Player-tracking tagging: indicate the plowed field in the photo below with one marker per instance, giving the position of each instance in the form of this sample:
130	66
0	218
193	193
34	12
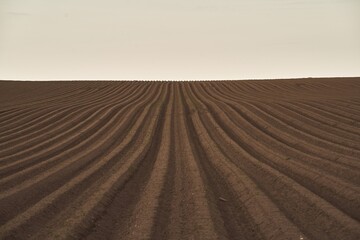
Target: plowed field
275	159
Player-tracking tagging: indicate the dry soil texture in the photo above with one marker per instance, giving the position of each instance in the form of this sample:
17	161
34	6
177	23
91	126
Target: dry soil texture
180	160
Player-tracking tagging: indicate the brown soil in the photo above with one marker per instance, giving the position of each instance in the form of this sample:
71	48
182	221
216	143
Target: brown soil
275	159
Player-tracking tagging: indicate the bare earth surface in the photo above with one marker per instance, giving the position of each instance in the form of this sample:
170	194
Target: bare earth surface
275	159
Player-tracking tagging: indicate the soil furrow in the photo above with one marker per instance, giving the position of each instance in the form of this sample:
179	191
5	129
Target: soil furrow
249	160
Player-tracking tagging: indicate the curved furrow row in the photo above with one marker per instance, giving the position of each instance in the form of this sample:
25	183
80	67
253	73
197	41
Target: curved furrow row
351	104
310	122
54	125
283	133
59	97
346	109
308	151
113	106
144	215
29	120
55	100
95	94
115	219
46	129
101	157
49	137
104	96
289	90
334	110
263	218
38	108
349	130
322	135
25	132
345	106
256	94
51	127
35	165
337	119
196	220
266	169
242	93
279	90
245	96
36	159
340	193
27	98
8	114
125	158
294	127
5	113
37	111
300	129
285	144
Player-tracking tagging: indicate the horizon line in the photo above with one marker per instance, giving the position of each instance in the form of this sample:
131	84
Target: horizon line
178	80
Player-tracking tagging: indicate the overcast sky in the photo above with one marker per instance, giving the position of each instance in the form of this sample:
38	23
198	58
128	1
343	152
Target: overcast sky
178	39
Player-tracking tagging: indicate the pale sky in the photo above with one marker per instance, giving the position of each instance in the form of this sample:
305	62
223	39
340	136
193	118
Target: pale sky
178	39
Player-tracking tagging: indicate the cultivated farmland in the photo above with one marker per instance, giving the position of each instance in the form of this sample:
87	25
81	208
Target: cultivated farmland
277	159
